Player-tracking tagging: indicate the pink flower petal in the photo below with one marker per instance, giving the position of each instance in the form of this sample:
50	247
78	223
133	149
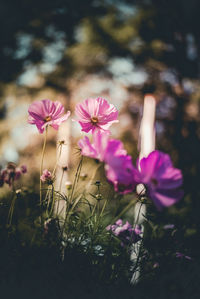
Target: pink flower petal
86	148
104	113
161	179
46	112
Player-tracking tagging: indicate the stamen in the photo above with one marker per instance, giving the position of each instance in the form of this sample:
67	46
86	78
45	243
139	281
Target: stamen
47	118
94	120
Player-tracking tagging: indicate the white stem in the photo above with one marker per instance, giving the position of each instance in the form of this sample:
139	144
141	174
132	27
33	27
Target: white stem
147	127
146	146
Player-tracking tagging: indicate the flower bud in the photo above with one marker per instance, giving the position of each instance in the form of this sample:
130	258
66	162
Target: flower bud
68	185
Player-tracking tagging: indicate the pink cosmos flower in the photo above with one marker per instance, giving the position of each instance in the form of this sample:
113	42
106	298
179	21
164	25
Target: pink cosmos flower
96	114
45	112
161	179
46	176
121	172
102	147
118	165
97	149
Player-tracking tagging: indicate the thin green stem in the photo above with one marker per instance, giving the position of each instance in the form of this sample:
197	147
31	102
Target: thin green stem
103	208
131	203
11	210
138	246
49	189
76	179
41	164
94	208
60	186
52	200
48	197
75	182
60	145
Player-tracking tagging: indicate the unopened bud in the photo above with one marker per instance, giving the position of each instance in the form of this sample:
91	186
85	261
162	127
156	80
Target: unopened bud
98	196
68	185
60	142
64	168
140	189
18	191
83	176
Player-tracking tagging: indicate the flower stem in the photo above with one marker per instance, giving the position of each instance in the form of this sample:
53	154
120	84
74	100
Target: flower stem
11	210
58	157
131	203
53	173
103	208
52	200
41	164
76	179
70	200
61	180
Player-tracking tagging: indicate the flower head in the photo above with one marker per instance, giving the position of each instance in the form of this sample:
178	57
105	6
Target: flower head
102	147
121	172
161	179
118	165
97	149
96	114
68	185
46	177
125	232
11	173
45	112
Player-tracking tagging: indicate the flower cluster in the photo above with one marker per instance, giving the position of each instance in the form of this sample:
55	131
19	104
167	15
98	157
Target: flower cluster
125	232
155	172
118	165
46	177
11	173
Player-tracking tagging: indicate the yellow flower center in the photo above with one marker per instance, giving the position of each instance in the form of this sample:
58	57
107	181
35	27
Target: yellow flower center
94	120
47	118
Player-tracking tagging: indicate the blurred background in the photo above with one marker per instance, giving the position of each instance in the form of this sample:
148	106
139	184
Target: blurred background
69	50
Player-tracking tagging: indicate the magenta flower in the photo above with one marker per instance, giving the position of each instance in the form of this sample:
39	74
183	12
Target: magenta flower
118	165
161	179
46	177
121	172
97	149
45	112
96	114
102	148
125	232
